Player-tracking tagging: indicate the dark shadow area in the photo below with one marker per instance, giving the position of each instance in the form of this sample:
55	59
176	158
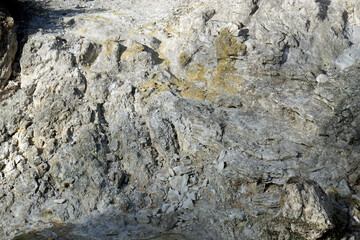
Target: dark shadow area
324	6
285	55
33	16
244	33
154	55
105	227
14	7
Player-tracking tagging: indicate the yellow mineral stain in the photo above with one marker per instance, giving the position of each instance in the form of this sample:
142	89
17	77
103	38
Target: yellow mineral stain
152	88
100	19
202	82
222	81
109	46
225	80
227	45
84	31
154	85
134	50
118	13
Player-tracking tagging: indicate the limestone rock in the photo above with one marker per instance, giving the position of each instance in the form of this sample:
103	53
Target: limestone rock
204	109
311	212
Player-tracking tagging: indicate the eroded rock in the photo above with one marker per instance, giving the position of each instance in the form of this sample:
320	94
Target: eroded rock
310	211
204	110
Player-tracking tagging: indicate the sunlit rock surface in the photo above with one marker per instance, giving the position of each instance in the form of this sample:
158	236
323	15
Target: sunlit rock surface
215	119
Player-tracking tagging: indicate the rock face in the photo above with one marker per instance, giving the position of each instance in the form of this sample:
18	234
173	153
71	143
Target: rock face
8	45
192	116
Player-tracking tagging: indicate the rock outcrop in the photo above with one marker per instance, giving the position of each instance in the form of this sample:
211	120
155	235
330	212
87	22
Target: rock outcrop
192	116
8	45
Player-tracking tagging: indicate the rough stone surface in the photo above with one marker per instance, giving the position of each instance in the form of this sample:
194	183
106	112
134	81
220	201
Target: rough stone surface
207	110
311	212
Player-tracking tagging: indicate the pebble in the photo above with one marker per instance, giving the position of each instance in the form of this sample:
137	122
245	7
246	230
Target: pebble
187	162
221	166
322	78
155	211
180	170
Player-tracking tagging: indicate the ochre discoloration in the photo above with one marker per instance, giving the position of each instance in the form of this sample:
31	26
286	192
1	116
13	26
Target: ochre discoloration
133	51
109	47
227	45
201	83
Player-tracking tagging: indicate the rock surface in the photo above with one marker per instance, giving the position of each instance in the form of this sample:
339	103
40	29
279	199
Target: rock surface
132	118
8	45
310	211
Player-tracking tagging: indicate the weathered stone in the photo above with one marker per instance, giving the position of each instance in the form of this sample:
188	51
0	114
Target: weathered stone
174	196
311	212
121	107
180	183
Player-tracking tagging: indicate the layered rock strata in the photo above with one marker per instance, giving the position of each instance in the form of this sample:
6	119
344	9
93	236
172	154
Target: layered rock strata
223	119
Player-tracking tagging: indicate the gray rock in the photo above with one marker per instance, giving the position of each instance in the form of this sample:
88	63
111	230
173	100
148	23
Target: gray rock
180	183
165	207
171	209
131	105
311	212
142	219
188	204
191	195
174	196
59	201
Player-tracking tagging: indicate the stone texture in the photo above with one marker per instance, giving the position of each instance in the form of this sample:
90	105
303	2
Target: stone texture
311	212
207	110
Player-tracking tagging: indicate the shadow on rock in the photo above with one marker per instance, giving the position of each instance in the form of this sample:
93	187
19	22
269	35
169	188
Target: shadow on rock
33	16
106	227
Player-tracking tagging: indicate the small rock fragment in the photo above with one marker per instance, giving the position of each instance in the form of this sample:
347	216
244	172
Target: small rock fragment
174	196
165	207
188	204
59	201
